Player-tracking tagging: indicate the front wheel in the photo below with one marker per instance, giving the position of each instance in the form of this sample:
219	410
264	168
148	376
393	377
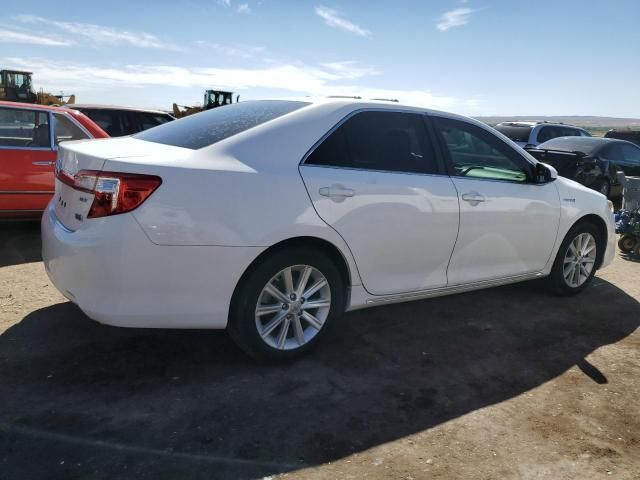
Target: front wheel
286	304
626	243
575	263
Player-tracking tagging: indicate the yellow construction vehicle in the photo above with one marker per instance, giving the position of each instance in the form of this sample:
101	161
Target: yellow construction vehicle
17	86
212	99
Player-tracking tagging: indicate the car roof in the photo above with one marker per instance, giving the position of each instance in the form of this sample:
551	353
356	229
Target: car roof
32	106
93	106
533	123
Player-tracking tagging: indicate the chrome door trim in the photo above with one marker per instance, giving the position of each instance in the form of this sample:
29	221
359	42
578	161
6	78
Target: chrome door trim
467	287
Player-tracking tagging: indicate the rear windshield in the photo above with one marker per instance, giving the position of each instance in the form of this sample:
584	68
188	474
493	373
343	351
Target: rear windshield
206	128
515	133
586	145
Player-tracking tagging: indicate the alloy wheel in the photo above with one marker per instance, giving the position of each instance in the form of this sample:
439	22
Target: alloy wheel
579	260
293	307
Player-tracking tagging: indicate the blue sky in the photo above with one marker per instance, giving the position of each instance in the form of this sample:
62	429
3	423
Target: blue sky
476	57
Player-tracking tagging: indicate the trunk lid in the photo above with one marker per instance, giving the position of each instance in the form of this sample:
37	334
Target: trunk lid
72	206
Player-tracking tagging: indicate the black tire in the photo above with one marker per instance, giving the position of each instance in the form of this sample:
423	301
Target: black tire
603	186
242	322
626	243
556	281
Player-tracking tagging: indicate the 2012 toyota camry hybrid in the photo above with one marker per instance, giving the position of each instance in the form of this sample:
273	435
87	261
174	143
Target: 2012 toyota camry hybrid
271	218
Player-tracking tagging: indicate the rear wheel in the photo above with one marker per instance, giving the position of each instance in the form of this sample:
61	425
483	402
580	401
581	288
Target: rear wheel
575	263
286	304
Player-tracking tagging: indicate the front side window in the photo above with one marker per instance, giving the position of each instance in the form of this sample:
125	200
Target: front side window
475	152
378	140
65	129
569	132
631	154
613	152
24	128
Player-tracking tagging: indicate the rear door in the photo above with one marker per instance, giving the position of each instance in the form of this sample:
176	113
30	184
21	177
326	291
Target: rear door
508	223
376	180
27	158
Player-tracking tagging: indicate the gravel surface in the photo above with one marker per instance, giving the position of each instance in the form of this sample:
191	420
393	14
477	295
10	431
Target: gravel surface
497	384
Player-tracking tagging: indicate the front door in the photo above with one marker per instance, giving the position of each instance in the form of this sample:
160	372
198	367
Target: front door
508	223
27	161
377	182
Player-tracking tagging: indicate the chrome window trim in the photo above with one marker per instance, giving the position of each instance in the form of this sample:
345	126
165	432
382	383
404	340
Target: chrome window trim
313	148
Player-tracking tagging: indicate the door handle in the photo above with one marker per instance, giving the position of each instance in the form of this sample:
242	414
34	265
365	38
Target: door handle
473	198
336	190
46	164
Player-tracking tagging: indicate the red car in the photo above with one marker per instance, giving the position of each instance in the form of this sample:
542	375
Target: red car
29	137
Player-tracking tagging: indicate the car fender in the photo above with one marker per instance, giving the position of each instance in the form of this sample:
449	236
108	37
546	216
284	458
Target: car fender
577	202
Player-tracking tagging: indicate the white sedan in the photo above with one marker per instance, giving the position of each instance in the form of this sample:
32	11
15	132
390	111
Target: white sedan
271	218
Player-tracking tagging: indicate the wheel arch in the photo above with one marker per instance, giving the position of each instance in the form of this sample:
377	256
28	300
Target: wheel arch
302	241
601	226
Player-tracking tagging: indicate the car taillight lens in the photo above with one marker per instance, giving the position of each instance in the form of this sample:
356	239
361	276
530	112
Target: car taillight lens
113	192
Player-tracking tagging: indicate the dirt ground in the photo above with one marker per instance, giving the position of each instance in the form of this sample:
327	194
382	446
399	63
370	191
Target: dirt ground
498	384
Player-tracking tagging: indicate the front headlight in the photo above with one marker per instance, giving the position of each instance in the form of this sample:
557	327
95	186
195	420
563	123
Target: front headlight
610	203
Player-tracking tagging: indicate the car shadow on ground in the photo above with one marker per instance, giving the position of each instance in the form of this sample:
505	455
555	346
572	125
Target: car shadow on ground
19	242
188	404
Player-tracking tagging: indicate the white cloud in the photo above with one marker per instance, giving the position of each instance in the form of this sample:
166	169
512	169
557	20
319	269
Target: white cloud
287	79
348	70
100	34
13	36
232	50
333	18
244	8
454	18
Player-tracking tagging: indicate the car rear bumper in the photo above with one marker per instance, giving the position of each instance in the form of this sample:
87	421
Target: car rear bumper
111	270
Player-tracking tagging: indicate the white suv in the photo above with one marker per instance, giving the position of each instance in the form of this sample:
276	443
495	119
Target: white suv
531	134
271	218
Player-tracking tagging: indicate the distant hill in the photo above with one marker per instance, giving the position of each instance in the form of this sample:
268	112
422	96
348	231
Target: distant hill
579	120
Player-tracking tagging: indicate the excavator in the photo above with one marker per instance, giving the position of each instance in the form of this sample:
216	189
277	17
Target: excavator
212	99
17	86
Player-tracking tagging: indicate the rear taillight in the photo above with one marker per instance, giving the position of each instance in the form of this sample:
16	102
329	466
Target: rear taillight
113	192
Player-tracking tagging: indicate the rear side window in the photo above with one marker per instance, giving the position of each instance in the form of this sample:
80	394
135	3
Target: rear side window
206	128
517	133
107	120
387	141
24	128
150	120
65	129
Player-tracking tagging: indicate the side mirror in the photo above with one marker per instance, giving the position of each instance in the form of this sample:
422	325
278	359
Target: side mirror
545	173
